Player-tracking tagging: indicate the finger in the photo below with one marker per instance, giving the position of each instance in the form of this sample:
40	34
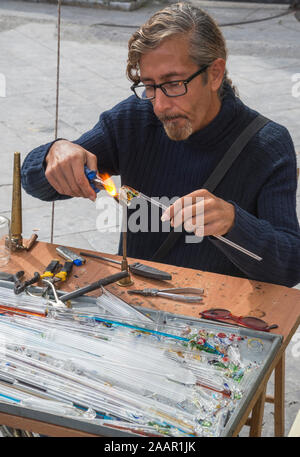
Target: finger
169	213
74	184
176	210
91	161
65	173
92	164
197	221
82	183
189	225
194	210
63	179
184	202
57	180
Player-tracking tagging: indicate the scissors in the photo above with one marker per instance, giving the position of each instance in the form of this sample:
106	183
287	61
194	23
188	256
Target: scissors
172	293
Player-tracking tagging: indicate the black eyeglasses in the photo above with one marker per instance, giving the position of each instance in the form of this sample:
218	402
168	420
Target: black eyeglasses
169	88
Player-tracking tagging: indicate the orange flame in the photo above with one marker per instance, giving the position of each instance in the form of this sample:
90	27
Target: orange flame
108	184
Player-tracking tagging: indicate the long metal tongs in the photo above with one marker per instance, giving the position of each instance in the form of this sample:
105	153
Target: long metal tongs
172	293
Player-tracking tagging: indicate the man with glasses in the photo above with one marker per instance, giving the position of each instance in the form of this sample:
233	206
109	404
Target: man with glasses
168	138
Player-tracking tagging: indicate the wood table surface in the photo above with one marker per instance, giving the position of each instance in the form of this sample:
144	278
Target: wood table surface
275	304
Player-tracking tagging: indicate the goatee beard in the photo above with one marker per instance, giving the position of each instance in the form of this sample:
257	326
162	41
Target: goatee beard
175	132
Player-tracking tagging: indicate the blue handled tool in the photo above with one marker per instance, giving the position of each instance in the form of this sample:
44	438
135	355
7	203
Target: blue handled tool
95	181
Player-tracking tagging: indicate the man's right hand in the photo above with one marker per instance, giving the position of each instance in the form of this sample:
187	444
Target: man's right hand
65	169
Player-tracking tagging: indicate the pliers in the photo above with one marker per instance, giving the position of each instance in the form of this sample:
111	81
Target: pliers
172	293
61	276
48	273
64	273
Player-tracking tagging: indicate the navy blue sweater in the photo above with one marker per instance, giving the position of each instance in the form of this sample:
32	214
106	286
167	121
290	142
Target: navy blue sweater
130	141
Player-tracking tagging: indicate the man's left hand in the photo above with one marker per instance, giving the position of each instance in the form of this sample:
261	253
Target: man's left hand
201	212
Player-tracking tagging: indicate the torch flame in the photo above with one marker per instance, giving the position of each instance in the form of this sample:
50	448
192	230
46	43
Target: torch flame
108	184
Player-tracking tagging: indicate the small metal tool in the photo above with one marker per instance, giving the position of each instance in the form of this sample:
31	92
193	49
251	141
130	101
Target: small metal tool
20	287
172	293
136	268
95	181
48	273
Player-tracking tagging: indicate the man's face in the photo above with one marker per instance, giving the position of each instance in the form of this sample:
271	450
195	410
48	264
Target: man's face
184	115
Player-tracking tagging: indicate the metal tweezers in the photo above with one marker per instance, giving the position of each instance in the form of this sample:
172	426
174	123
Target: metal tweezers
172	293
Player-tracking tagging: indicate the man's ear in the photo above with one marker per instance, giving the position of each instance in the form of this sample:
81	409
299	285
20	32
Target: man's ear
216	73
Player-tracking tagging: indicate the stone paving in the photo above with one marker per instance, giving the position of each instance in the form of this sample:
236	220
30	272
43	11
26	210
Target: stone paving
263	63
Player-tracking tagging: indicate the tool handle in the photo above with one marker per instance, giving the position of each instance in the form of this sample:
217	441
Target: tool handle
50	269
65	271
52	266
177	297
68	266
95	285
33	280
136	268
183	290
91	174
149	272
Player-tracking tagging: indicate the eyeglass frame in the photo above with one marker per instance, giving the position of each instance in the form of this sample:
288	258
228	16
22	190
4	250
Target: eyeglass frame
208	314
160	86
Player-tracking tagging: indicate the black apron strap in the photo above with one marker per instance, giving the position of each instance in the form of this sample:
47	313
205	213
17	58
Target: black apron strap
216	177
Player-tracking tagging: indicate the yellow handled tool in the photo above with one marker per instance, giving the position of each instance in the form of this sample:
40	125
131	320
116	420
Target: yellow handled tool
63	274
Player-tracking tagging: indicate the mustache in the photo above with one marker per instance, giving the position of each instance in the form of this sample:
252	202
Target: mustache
171	117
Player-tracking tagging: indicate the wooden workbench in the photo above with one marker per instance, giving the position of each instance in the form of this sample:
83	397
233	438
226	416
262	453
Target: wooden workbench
275	304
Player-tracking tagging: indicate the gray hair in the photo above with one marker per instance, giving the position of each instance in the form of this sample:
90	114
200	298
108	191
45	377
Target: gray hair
205	38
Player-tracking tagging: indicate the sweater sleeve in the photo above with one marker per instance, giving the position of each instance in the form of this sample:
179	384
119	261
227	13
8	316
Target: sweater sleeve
273	233
99	141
